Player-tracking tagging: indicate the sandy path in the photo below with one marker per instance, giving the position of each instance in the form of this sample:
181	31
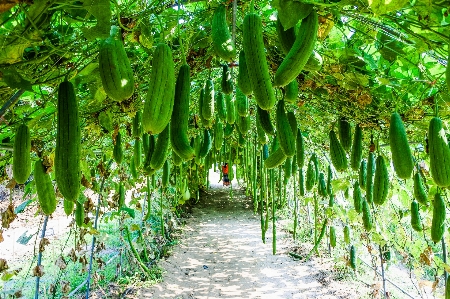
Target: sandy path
221	255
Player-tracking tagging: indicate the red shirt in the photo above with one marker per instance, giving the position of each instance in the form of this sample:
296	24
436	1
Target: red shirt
225	169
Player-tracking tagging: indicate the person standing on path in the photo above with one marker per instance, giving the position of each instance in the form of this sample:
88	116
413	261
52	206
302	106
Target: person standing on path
225	179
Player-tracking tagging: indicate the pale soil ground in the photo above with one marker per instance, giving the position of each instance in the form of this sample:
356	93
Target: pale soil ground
221	255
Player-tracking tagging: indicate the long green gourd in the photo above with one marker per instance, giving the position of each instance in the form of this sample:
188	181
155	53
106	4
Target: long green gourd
68	143
300	149
264	119
420	192
44	188
257	67
284	131
275	159
226	83
357	197
300	51
438	221
242	104
221	37
118	150
161	149
159	102
439	153
21	154
337	153
345	133
356	154
367	216
180	116
231	110
369	177
137	125
115	69
362	174
381	182
221	107
415	216
401	153
243	79
208	100
218	135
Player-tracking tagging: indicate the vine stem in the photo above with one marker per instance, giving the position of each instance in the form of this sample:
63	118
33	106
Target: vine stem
97	211
444	259
233	32
12	100
38	278
162	212
382	272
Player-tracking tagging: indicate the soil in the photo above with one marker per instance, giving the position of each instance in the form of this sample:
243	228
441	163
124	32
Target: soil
221	255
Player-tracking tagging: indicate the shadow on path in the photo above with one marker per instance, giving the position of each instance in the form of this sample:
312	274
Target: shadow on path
221	255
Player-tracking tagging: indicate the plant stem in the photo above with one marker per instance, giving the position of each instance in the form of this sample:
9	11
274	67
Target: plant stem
38	278
316	244
382	272
97	211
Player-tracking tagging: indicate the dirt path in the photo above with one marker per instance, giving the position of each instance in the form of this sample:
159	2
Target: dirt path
221	255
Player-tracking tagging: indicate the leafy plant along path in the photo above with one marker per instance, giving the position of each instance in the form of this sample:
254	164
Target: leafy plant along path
221	255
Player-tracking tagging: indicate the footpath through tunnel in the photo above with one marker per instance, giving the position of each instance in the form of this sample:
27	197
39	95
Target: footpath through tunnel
221	255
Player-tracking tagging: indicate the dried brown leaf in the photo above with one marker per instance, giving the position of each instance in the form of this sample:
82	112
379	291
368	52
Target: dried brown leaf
38	271
3	265
427	256
8	216
61	263
11	184
44	242
65	287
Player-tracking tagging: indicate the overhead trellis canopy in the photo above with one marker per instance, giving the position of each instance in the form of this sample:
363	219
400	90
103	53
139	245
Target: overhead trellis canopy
377	56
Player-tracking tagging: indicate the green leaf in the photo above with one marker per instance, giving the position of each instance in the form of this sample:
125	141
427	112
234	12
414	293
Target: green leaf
105	120
290	12
129	211
14	80
8	275
134	227
381	7
101	10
